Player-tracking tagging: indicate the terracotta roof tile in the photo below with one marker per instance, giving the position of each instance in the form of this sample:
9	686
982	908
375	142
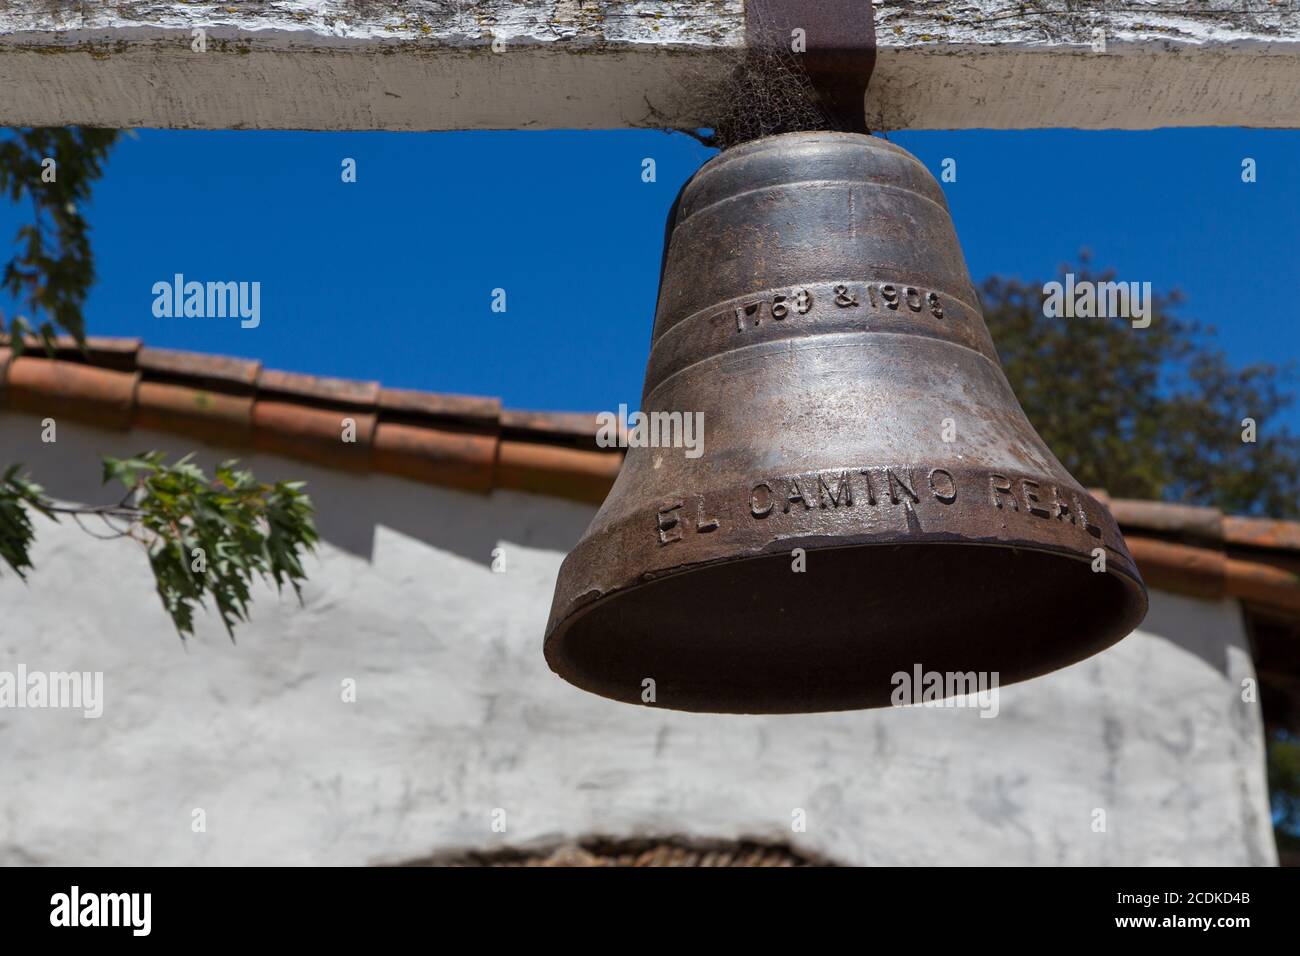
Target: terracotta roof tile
337	438
435	438
1204	553
1180	568
436	456
574	429
1262	533
215	368
551	470
51	388
1263	583
568	424
342	391
1183	520
215	417
1211	573
470	409
103	351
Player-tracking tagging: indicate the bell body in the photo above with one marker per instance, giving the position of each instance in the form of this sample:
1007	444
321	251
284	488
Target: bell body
868	497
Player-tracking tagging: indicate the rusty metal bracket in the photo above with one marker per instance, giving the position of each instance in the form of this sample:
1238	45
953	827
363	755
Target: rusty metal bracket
839	48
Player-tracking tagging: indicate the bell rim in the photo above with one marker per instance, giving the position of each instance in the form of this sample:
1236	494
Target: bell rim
1131	612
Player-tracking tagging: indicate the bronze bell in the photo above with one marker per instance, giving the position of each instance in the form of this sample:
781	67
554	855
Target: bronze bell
870	498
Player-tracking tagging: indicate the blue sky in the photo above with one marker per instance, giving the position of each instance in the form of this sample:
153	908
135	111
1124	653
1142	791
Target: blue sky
391	277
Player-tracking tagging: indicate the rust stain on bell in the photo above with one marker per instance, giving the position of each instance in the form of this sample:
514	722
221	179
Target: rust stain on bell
815	307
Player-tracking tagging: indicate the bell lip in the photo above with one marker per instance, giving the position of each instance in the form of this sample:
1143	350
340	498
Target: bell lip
1133	613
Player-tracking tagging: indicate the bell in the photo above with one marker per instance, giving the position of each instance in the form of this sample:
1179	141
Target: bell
867	501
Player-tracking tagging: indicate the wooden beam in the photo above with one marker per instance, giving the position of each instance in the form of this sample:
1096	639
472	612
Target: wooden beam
1010	64
456	64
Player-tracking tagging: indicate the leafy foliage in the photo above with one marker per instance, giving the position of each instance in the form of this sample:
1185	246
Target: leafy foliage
1147	413
205	538
1284	788
17	494
53	268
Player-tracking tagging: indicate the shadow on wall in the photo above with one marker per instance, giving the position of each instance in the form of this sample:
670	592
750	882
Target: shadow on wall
1183	624
349	507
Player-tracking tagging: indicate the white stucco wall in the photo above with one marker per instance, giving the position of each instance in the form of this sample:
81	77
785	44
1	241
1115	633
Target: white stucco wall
457	715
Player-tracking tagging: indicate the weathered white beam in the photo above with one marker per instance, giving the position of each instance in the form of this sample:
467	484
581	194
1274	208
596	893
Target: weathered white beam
431	64
359	64
1008	64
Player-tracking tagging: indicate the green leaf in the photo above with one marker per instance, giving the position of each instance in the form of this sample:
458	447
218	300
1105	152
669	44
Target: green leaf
52	268
18	494
244	529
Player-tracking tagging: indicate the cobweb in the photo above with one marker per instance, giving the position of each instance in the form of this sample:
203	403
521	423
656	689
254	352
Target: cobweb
763	91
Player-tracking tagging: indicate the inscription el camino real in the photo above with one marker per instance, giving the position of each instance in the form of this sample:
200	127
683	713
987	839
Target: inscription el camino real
888	486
